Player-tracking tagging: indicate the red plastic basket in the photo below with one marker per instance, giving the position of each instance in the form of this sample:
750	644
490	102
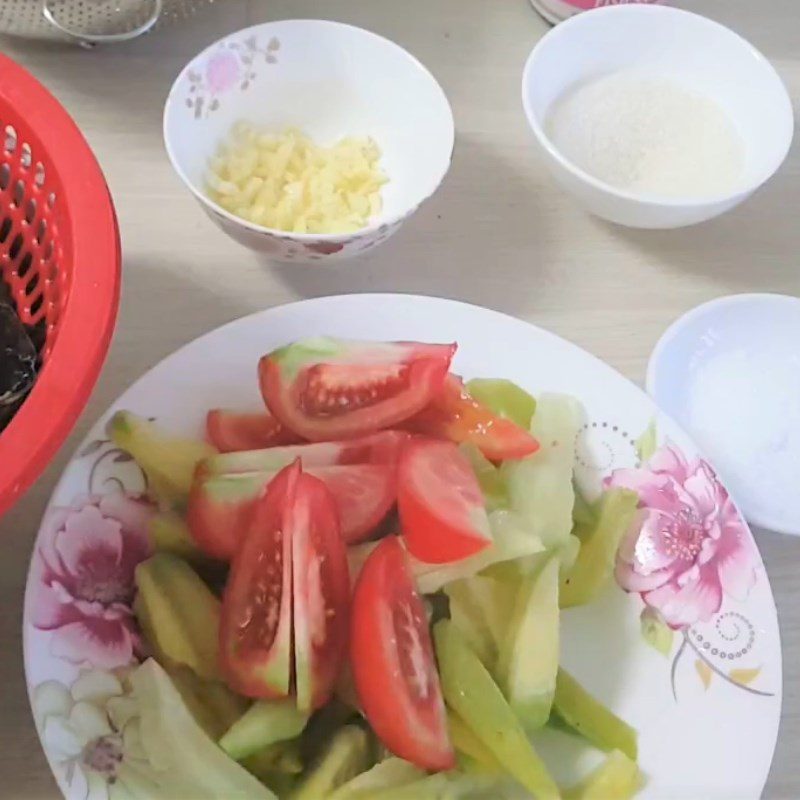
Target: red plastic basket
60	254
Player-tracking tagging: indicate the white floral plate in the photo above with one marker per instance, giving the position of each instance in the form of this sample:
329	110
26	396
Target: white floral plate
704	690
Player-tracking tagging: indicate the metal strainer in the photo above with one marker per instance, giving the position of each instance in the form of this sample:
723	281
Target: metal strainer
91	21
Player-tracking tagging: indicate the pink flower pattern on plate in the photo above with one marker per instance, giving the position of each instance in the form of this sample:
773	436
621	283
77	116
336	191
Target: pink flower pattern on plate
85	568
688	546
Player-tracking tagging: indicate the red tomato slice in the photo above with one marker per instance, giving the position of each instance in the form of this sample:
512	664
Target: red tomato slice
379	448
256	616
231	431
455	415
220	505
321	594
364	494
441	506
327	389
391	658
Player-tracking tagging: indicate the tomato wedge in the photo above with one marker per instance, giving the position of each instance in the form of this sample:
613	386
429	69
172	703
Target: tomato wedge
455	415
441	506
321	594
231	431
284	618
391	658
378	448
220	506
327	389
256	616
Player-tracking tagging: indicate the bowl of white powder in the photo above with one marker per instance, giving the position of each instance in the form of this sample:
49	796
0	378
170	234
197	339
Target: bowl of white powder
654	117
729	372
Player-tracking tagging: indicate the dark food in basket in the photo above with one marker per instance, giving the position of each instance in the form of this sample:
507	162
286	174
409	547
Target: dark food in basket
18	360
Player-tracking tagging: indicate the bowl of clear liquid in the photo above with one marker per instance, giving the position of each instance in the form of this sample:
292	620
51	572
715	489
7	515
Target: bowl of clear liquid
654	117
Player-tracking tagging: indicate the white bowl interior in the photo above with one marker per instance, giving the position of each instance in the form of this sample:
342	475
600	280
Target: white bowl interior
331	80
669	43
756	338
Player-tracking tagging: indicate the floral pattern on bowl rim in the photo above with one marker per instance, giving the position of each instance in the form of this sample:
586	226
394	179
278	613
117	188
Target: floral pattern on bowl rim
686	570
233	64
306	250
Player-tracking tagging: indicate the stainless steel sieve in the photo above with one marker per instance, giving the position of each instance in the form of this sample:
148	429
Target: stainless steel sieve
91	21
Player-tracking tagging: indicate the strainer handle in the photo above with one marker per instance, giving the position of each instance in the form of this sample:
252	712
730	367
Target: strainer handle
88	40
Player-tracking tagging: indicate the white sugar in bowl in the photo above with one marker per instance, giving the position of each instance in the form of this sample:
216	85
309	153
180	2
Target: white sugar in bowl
331	81
708	73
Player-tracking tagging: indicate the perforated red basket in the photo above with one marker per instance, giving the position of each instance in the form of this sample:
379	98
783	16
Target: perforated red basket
60	254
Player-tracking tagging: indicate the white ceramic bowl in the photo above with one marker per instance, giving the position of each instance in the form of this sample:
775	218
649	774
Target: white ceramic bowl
729	372
674	45
330	80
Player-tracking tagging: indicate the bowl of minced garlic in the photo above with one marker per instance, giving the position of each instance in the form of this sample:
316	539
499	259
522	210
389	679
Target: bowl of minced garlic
308	140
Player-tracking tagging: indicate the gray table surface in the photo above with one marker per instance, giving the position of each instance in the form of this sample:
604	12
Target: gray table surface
498	233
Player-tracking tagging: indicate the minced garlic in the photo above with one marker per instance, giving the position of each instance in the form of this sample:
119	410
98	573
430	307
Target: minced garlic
285	181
